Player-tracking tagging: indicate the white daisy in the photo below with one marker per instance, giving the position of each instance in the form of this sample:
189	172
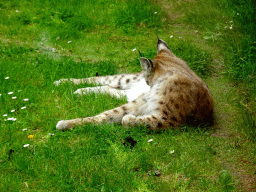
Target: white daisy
11	119
26	145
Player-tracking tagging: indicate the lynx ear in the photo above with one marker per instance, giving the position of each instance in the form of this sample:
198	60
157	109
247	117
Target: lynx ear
161	45
146	64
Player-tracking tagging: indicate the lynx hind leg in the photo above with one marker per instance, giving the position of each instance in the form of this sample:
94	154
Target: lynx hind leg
121	81
152	122
149	121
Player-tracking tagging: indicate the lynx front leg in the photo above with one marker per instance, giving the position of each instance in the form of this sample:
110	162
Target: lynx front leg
102	89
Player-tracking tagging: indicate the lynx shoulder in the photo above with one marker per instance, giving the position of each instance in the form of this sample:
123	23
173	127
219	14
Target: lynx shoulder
166	94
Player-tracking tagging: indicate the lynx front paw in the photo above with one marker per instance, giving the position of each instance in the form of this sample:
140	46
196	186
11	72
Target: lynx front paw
57	83
64	125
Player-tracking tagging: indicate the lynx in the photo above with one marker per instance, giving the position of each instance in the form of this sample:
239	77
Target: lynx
166	94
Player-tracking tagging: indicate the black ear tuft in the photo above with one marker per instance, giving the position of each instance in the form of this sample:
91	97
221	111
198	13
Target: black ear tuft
161	45
140	53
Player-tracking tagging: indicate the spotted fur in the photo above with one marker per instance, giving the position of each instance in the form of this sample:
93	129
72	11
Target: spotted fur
166	94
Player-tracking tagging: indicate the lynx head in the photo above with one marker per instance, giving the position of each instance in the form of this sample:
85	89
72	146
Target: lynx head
153	68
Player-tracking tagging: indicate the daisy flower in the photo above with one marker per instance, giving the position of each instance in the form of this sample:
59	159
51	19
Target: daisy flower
11	119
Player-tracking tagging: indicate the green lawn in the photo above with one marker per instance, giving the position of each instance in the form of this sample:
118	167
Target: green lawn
44	41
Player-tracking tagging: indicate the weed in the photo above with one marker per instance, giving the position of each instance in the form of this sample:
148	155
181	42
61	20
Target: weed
225	180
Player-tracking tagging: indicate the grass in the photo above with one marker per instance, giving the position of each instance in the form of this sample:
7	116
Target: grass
44	41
